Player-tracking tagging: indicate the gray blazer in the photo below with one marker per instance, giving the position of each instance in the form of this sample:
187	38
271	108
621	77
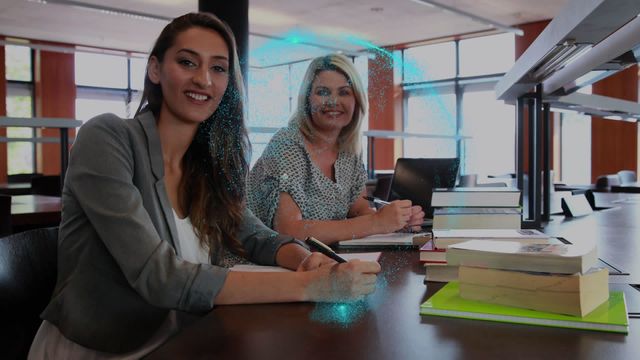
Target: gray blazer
118	270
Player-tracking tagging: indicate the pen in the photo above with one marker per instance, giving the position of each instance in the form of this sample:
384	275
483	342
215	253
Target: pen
324	249
376	200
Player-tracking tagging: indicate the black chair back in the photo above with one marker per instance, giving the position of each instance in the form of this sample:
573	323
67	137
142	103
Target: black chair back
5	215
46	185
28	268
21	178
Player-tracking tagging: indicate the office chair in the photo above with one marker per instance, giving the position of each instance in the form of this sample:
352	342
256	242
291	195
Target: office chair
46	185
28	267
605	182
21	178
627	176
5	215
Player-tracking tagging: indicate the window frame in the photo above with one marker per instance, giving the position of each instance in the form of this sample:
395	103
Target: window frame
24	88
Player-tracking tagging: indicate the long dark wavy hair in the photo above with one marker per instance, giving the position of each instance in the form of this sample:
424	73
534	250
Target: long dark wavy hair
215	166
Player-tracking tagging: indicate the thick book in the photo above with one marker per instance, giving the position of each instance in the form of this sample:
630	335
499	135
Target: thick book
511	255
435	272
610	316
388	240
443	238
574	294
477	218
429	253
476	197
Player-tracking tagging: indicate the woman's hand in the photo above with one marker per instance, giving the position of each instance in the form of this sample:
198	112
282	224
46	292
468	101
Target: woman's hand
394	216
343	282
314	261
416	219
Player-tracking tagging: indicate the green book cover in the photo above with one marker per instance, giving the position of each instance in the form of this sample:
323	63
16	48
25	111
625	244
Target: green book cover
610	316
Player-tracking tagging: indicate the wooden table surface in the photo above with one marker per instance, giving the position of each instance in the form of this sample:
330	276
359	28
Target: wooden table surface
35	210
388	325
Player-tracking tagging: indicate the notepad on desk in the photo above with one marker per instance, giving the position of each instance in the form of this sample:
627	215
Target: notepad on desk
369	256
411	240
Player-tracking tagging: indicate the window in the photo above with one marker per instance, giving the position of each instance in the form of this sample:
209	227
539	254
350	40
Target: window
487	55
19	75
430	62
432	113
108	84
491	124
100	70
442	100
18	63
20	159
575	148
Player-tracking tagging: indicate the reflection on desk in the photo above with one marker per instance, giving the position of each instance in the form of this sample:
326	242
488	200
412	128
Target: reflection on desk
388	325
35	210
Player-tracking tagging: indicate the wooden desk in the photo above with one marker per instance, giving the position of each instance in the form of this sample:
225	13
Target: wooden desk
35	210
388	324
15	189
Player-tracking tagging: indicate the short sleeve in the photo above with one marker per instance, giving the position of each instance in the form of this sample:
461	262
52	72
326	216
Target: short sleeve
279	169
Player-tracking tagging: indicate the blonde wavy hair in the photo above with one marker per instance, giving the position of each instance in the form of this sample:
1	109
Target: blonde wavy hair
349	138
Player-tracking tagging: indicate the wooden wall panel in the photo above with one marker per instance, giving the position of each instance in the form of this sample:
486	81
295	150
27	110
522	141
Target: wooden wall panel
384	107
3	112
55	92
614	144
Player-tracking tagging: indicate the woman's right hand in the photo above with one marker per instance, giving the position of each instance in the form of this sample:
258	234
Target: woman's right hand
348	281
393	217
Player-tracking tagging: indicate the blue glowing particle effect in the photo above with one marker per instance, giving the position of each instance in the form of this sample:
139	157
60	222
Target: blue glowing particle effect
345	314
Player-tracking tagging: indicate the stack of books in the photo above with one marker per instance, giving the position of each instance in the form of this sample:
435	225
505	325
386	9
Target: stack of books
476	208
536	284
556	278
433	253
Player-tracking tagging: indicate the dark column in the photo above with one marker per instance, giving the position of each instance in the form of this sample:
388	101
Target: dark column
236	14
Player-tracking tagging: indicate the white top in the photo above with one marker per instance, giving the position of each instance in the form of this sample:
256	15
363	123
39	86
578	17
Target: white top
49	342
188	243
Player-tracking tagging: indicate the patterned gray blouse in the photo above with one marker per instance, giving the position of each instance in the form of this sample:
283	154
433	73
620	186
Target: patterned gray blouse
285	166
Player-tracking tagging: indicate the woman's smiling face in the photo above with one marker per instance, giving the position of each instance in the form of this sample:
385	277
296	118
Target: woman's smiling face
332	101
194	74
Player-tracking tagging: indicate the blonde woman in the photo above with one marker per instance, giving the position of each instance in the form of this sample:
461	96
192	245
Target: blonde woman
310	180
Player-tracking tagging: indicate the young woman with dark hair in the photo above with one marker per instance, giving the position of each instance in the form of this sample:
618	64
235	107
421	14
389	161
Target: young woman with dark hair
154	212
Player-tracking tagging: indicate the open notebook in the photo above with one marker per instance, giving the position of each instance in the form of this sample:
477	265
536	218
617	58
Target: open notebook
370	256
398	239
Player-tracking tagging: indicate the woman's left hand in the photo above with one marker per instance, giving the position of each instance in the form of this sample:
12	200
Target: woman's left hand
314	261
416	219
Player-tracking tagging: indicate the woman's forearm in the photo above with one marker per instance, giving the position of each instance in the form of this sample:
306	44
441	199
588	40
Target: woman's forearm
291	255
330	231
263	287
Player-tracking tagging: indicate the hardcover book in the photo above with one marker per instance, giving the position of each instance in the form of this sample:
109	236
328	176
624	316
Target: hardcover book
443	238
429	253
477	218
476	197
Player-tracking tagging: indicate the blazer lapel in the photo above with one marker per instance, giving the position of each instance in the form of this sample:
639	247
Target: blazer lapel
148	122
